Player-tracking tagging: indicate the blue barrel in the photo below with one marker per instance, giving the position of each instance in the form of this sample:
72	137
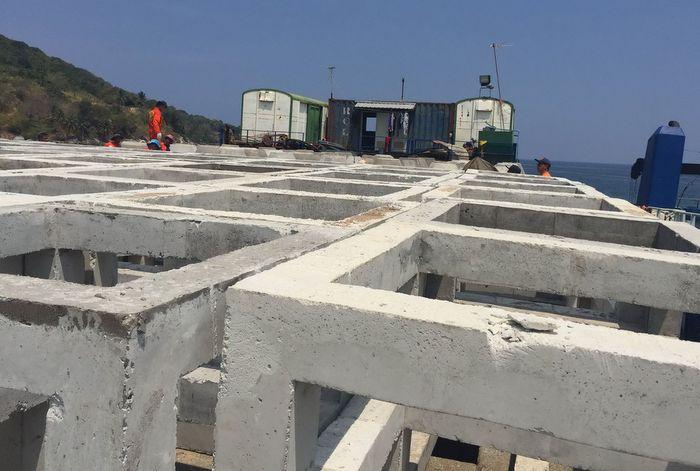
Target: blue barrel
662	167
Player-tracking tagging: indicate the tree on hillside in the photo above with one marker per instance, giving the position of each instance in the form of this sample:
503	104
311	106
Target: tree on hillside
42	96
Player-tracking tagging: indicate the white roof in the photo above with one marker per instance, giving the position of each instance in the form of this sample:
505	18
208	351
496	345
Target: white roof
385	105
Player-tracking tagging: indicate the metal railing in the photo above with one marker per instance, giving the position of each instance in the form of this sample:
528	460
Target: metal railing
254	136
678	215
416	146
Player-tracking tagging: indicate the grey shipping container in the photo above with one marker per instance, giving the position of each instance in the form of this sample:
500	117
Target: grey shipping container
432	121
347	125
341	126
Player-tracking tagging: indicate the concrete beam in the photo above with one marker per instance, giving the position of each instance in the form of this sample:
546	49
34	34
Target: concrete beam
597	396
542	198
566	267
362	437
527	442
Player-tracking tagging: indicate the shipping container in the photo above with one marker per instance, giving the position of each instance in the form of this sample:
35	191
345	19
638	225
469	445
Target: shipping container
343	123
275	112
472	115
433	121
396	127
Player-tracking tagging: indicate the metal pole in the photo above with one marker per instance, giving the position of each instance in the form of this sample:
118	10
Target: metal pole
331	68
402	87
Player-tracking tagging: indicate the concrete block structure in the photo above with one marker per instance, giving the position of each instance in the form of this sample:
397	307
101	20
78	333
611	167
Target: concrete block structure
286	310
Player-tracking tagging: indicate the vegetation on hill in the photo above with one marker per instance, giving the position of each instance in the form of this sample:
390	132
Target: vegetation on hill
46	98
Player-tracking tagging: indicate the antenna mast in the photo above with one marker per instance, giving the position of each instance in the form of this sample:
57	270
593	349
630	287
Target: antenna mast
331	68
495	46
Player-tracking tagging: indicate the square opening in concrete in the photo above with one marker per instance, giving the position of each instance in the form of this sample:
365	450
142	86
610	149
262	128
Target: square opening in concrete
237	168
540	198
329	186
502	269
100	248
576	225
379	177
367	431
578	309
196	410
120	158
514	185
404	171
258	202
293	164
510	177
22	429
19	164
132	267
157	174
46	185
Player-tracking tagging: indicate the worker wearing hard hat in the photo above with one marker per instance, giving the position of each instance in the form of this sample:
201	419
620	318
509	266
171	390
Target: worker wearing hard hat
543	166
155	121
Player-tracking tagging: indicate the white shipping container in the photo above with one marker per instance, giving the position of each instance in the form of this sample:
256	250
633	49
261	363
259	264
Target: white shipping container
269	111
474	114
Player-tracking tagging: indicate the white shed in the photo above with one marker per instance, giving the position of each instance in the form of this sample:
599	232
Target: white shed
474	114
274	112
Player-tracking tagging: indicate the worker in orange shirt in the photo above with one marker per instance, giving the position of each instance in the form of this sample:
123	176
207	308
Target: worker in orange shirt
115	141
155	121
543	166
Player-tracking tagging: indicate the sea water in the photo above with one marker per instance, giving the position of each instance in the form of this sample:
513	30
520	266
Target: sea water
614	180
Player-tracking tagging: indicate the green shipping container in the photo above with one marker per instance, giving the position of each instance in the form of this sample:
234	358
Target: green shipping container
500	145
313	123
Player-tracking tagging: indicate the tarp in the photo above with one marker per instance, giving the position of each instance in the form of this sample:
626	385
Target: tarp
477	163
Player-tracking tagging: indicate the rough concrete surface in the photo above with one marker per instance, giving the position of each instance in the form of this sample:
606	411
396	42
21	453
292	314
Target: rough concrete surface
128	276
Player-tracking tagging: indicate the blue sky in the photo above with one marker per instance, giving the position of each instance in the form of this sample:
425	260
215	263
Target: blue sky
590	80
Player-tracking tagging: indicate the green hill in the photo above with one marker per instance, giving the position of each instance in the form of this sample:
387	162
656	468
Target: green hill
46	98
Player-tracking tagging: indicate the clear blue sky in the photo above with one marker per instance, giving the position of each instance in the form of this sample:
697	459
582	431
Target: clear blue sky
590	80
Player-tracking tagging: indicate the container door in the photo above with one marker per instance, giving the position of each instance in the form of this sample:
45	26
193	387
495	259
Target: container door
313	123
369	131
381	132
